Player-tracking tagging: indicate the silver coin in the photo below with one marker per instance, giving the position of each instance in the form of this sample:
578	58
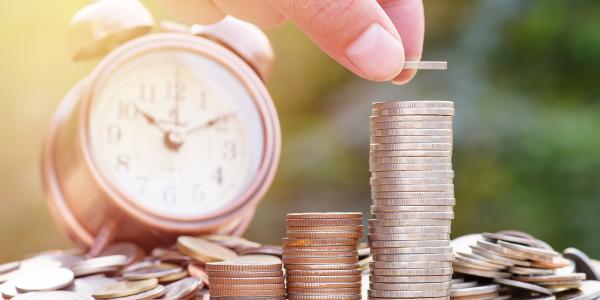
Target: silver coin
410	208
410	160
499	264
409	264
414	215
409	286
401	244
408	294
409	222
415	174
463	284
498	258
459	264
410	153
181	288
523	286
410	118
480	273
413	257
515	239
444	145
448	188
583	263
483	263
411	132
414	202
530	271
44	279
412	111
502	250
409	167
402	195
412	229
410	139
411	279
531	252
53	295
478	290
395	181
413	104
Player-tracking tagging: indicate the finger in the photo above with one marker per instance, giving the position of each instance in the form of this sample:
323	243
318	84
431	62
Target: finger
194	11
409	19
356	33
259	12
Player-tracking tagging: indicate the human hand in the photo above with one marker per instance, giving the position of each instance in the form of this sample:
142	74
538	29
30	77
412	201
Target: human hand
370	38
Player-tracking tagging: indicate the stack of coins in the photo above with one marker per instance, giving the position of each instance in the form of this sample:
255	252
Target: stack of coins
320	255
247	277
413	197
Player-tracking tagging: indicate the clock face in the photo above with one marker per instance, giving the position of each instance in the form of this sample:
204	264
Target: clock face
176	132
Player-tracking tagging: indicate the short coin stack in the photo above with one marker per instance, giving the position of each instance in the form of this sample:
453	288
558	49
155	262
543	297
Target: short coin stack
320	255
413	197
247	277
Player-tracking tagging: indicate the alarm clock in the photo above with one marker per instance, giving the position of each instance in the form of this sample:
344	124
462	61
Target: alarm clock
173	132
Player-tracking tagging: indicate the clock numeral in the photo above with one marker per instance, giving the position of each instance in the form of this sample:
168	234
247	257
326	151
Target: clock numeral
218	176
127	110
142	181
147	92
229	150
197	193
122	163
174	89
169	195
113	134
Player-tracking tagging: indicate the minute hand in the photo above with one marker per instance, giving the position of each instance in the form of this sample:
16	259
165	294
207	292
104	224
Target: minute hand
209	123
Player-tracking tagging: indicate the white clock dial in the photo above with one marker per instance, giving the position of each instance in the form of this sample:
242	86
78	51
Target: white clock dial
177	133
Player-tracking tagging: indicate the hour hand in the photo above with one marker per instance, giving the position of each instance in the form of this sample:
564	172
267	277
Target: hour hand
150	119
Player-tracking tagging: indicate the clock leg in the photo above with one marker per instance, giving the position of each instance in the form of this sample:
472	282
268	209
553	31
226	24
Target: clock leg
104	237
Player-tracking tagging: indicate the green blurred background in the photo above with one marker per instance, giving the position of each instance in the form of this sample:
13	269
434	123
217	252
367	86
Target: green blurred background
524	75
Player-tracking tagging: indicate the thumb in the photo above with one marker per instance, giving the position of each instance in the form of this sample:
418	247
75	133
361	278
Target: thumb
356	33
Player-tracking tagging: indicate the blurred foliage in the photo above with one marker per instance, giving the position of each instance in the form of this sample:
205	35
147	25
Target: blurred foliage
526	127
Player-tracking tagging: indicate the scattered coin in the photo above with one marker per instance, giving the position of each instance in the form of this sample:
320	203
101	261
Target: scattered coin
44	280
523	286
203	250
125	288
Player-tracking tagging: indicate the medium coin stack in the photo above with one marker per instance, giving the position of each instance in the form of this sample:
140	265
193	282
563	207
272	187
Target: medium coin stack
412	191
247	277
320	255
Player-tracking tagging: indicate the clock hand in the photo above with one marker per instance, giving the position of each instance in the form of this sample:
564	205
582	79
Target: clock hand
151	119
209	123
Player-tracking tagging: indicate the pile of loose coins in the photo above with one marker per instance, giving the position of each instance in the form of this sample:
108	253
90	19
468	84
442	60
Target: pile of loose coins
515	264
412	194
320	255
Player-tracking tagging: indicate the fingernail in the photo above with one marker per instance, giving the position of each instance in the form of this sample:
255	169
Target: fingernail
377	54
404	77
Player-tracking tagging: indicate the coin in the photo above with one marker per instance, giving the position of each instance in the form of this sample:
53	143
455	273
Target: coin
410	118
416	250
324	291
462	285
409	264
245	274
530	271
324	222
154	293
297	254
414	202
323	297
197	271
407	236
498	258
245	266
347	278
460	257
414	215
410	286
125	288
153	271
270	286
53	295
441	111
322	272
408	167
443	145
409	160
410	139
551	278
319	260
358	228
323	285
203	250
413	188
374	126
411	208
408	294
247	293
478	290
333	266
480	273
411	279
414	104
413	174
7	267
412	272
319	242
410	153
325	215
289	249
515	239
583	263
401	244
43	279
324	234
264	249
531	252
410	132
232	242
409	230
502	250
129	250
523	286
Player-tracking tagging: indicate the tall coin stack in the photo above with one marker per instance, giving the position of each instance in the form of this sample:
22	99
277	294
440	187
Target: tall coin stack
412	191
320	255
